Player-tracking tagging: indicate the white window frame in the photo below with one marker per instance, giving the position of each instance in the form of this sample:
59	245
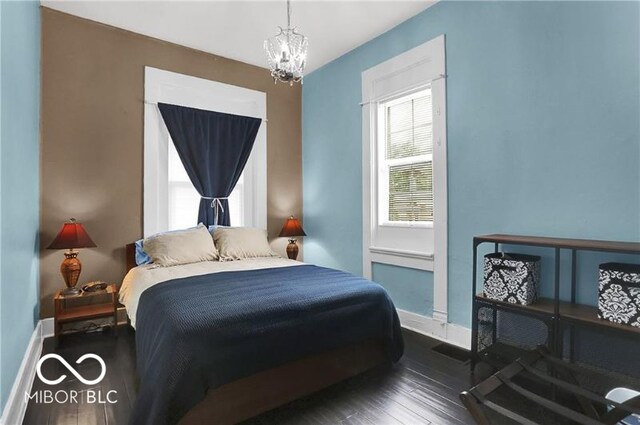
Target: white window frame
184	90
420	247
384	164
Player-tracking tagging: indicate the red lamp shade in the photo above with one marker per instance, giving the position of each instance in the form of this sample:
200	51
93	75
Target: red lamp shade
72	235
292	227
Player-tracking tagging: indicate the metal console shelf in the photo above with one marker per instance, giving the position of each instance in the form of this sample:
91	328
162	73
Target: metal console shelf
551	310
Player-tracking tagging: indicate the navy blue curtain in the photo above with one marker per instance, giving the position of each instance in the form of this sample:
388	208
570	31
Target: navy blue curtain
214	148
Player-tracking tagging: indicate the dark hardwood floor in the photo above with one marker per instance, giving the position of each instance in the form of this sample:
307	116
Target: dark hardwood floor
422	388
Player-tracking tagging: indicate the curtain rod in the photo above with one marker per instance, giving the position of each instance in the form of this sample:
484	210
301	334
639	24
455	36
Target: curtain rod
156	104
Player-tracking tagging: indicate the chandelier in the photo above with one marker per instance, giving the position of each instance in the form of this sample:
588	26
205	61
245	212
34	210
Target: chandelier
287	53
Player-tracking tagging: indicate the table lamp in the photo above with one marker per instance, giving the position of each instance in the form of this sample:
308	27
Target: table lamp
292	227
70	237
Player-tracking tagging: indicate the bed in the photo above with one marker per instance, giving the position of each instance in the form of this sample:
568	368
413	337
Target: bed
220	342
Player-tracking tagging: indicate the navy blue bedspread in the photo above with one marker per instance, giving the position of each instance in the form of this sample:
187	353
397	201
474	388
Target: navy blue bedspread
201	332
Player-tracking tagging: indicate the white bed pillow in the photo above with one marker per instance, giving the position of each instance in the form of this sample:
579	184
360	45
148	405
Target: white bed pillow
237	243
181	247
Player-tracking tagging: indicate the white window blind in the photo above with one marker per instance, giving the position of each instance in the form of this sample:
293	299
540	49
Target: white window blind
406	160
183	199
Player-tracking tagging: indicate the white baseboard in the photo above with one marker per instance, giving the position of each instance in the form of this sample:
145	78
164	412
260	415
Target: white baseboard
47	327
16	406
429	326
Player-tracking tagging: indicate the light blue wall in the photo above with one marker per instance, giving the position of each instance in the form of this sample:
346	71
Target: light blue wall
543	107
19	183
410	289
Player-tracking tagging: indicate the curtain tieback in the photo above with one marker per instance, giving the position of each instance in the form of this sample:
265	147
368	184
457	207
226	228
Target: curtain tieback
216	204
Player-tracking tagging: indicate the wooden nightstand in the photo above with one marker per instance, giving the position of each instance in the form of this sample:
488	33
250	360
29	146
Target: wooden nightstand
86	306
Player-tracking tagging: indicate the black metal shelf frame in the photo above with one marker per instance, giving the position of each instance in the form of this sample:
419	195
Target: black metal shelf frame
573	245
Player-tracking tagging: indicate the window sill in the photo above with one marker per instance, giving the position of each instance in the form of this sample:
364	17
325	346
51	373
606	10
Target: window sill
407	224
402	258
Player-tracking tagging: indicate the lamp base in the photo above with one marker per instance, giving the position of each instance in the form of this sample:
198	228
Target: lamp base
71	291
292	249
70	269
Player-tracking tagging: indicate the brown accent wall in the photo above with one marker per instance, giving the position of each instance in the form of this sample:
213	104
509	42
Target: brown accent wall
92	137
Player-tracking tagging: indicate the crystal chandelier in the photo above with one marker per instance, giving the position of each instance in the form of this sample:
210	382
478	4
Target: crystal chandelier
287	53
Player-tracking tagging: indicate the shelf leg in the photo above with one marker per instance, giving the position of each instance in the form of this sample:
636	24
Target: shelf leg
556	305
474	319
573	301
557	337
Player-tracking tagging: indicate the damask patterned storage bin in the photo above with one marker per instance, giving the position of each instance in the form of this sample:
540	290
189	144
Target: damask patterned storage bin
511	278
619	293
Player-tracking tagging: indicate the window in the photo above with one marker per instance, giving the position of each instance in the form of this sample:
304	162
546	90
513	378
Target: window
169	199
183	199
404	165
405	149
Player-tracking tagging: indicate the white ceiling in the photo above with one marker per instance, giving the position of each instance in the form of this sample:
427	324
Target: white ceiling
237	29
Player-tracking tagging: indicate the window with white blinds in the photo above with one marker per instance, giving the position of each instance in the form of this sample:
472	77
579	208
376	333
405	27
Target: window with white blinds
406	159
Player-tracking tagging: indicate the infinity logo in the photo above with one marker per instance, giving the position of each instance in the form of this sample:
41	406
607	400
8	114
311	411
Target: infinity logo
71	369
